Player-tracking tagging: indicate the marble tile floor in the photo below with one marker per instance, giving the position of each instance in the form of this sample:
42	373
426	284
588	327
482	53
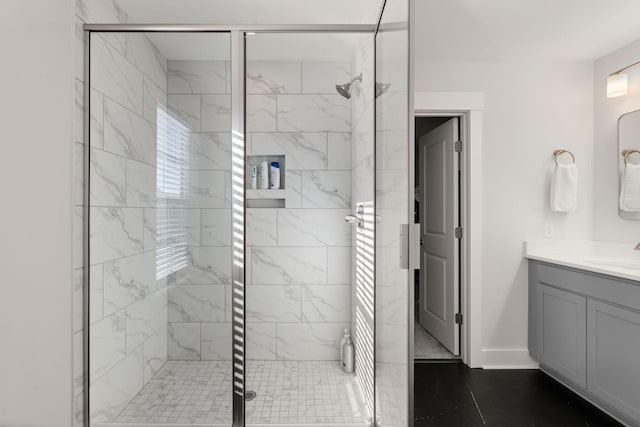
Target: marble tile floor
427	347
185	393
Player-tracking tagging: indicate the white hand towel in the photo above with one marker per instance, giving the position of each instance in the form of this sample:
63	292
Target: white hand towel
630	188
564	188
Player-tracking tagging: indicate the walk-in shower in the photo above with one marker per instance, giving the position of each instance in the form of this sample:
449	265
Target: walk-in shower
212	301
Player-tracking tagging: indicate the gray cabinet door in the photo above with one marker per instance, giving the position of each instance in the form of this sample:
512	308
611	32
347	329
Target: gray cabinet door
561	328
613	354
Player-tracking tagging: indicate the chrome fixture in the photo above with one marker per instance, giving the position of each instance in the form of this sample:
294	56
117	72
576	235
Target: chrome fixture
356	219
381	88
637	247
345	89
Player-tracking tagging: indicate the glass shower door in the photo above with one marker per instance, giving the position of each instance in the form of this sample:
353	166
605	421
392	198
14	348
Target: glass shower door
392	201
160	229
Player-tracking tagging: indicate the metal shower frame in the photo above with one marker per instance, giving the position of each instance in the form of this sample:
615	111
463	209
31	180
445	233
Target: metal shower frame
238	35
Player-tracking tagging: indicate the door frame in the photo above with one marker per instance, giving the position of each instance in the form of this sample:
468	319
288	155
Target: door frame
468	107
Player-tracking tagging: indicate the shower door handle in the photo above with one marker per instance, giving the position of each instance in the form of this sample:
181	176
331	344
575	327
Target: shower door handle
354	219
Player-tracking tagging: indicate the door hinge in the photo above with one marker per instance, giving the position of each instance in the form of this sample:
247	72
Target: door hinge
458	232
458	318
458	146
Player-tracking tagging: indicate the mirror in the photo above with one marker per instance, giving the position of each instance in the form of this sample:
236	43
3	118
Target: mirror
629	165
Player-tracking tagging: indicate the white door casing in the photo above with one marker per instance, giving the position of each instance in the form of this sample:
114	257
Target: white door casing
438	165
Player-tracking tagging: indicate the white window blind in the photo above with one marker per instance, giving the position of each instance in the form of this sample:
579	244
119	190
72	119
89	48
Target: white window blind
172	190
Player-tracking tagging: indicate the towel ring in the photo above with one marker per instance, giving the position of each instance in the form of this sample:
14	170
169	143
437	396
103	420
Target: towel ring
559	152
628	152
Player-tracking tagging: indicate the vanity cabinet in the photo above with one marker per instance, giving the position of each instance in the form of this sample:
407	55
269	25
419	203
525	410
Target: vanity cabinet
584	330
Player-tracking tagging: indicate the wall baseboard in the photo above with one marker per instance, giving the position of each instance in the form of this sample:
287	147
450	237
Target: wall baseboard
508	359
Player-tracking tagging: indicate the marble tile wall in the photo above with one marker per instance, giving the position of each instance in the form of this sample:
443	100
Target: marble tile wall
298	257
128	304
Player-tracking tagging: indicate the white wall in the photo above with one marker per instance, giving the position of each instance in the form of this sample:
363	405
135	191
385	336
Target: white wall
36	107
607	223
530	110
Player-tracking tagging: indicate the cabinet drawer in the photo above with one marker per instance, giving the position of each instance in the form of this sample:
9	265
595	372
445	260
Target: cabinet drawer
613	356
561	332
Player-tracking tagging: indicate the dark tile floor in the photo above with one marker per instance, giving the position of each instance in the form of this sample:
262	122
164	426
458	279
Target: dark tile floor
451	394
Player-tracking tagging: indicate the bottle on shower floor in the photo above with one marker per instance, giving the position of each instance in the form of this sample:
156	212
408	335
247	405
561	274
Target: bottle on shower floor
347	355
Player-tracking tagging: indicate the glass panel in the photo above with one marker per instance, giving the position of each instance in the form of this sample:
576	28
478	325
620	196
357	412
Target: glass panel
392	191
300	275
160	229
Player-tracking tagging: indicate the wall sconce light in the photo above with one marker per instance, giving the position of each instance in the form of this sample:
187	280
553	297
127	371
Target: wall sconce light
617	83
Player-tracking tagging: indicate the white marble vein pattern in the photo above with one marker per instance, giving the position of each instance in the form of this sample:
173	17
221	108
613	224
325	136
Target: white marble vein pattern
323	76
115	233
186	108
111	393
293	190
196	77
261	227
309	341
117	40
273	77
261	341
207	189
149	229
363	181
100	11
114	76
313	227
145	318
183	341
196	303
154	96
326	303
155	353
141	185
147	57
191	224
78	69
128	134
96	293
326	189
78	174
78	112
273	303
216	227
108	344
96	119
313	113
339	262
289	265
303	150
216	113
216	341
207	266
210	151
128	280
387	192
108	179
391	305
339	151
261	113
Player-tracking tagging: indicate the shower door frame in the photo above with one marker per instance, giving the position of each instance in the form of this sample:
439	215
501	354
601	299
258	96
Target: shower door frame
238	58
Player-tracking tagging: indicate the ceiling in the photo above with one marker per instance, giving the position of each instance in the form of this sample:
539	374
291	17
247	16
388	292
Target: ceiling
556	30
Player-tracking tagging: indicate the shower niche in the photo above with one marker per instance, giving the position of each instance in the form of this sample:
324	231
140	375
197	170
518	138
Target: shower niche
270	197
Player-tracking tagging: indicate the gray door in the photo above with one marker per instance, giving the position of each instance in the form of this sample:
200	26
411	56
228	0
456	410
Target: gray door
439	217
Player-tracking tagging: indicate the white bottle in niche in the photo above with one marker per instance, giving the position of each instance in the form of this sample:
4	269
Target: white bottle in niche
275	176
347	355
264	175
254	177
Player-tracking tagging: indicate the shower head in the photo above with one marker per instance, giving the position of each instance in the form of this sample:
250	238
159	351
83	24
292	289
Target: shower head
381	88
345	89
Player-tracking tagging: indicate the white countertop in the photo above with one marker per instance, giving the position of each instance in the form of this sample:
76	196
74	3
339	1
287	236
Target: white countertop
613	259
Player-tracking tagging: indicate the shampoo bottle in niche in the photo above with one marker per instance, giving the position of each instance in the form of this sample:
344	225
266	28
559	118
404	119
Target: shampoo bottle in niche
264	175
275	176
254	177
347	355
